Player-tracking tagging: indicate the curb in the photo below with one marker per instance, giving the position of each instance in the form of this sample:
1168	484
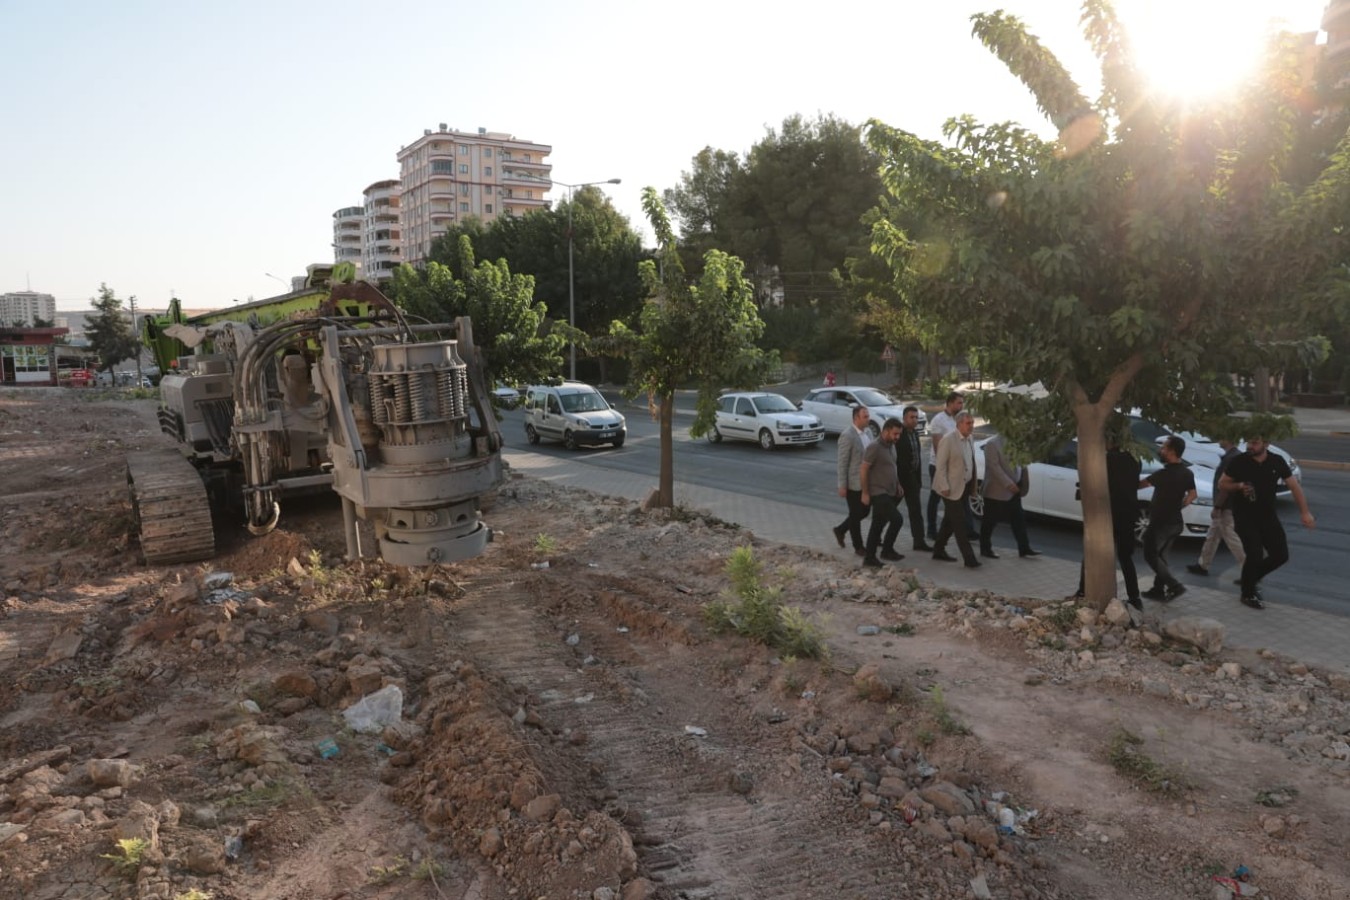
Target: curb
1324	465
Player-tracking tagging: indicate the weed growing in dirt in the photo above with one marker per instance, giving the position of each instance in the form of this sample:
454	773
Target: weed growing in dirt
904	629
1277	796
386	874
269	794
427	868
545	544
1127	757
192	894
925	737
127	860
754	610
942	715
1064	617
317	570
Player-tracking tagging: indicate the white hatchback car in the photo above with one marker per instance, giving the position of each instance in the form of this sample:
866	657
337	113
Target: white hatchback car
768	419
834	407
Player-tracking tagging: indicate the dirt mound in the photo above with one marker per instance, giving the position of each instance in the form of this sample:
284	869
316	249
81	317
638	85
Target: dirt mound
559	720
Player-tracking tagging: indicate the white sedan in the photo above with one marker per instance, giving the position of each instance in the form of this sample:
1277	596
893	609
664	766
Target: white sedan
834	407
768	419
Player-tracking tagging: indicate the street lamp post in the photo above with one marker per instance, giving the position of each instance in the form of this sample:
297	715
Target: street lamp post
571	277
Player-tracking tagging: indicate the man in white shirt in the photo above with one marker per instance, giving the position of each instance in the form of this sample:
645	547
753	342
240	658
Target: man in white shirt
941	424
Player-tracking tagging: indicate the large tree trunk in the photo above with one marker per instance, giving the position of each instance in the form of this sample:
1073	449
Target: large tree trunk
1099	548
665	493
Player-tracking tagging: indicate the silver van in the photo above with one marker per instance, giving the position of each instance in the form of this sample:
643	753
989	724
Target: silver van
574	413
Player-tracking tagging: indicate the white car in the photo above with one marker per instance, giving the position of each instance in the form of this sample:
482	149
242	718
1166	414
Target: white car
768	419
506	396
1054	490
834	407
1201	450
574	413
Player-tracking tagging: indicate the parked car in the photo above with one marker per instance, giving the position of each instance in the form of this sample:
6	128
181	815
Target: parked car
834	407
574	413
768	419
506	396
1054	490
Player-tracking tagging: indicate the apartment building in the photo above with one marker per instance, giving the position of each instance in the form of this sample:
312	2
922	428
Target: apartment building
449	175
21	308
382	234
347	231
1336	23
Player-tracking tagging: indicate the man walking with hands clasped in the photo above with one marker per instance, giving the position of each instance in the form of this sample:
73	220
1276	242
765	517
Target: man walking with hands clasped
954	481
1173	490
909	469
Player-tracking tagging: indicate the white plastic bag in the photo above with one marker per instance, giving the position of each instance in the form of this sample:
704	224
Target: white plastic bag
374	711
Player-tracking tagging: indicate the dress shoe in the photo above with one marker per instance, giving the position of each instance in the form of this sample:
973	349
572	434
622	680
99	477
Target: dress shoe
1253	600
891	556
1197	569
973	564
943	556
1155	593
1175	591
921	547
989	554
1027	553
839	536
871	562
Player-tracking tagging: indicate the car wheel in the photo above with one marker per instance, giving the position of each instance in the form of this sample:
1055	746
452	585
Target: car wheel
714	436
618	441
531	435
569	441
874	430
976	502
1141	524
766	438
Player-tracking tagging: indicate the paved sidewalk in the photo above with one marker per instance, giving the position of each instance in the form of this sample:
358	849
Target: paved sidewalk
1306	635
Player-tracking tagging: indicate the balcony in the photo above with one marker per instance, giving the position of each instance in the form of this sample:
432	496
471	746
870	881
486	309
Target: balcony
515	177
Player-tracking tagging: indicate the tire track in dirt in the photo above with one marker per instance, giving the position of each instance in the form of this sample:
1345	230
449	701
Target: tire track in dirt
711	816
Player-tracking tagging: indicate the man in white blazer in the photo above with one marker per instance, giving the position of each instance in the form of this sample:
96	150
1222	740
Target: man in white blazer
953	481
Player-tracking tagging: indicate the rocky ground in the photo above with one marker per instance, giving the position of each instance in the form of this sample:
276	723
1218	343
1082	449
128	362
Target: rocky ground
567	724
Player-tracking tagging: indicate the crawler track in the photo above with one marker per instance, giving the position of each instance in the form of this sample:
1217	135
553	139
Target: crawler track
172	511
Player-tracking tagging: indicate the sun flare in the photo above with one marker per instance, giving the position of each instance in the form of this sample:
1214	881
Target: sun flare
1199	49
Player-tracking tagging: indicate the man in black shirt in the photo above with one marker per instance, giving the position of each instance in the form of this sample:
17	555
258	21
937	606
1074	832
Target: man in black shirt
1173	489
909	469
1122	487
1252	478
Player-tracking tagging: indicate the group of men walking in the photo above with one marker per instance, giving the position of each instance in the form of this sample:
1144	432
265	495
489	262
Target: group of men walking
875	475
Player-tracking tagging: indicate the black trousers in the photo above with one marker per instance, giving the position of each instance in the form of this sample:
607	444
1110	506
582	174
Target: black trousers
934	498
954	524
1157	543
1264	542
1011	511
857	511
885	515
911	486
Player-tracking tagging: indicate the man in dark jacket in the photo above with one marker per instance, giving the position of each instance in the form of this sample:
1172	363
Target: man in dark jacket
1122	487
909	469
1173	490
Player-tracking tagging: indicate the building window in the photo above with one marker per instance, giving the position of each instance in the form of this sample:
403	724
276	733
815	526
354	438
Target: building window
463	168
442	167
529	195
464	189
506	154
527	157
463	207
463	150
487	171
487	153
487	208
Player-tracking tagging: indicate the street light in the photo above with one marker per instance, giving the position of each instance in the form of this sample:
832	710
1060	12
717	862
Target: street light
279	278
571	277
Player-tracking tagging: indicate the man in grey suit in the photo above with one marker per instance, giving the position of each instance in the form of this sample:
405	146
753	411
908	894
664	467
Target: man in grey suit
953	481
852	442
1003	487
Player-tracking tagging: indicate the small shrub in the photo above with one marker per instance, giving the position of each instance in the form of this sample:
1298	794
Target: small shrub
192	894
1127	757
427	869
385	874
127	860
1064	617
753	610
942	715
545	544
904	629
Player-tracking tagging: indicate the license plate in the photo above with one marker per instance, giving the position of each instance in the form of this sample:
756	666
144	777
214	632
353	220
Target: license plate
606	434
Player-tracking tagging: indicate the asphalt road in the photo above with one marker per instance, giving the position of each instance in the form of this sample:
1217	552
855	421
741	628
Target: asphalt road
1313	578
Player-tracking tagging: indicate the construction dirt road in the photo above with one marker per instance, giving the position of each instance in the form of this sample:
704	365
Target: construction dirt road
567	724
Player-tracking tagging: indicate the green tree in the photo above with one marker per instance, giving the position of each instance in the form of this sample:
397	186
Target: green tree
1103	263
509	326
700	334
109	330
606	252
792	210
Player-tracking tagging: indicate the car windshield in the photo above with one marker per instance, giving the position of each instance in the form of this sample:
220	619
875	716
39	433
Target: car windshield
584	401
773	403
869	397
1146	431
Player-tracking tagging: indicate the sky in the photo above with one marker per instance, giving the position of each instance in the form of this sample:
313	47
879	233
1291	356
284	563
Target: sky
199	150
